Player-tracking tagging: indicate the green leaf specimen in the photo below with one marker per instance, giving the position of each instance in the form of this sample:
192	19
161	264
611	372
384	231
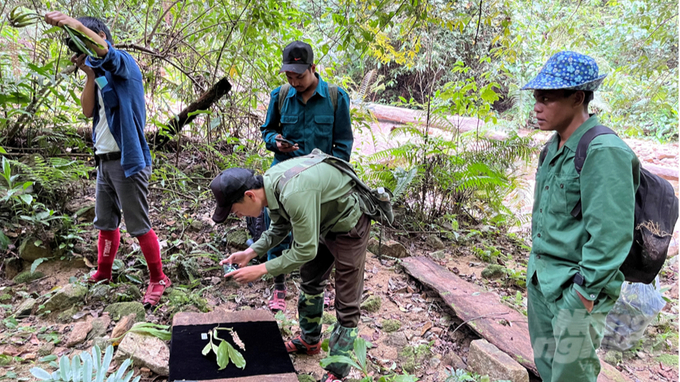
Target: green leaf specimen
225	352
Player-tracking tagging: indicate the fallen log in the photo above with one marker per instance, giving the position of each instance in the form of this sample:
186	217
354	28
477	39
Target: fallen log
670	174
404	116
206	100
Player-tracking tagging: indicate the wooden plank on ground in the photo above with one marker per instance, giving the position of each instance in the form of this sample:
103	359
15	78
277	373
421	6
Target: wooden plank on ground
485	314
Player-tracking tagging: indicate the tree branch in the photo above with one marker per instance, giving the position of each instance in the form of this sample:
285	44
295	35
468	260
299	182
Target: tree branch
153	53
479	21
158	22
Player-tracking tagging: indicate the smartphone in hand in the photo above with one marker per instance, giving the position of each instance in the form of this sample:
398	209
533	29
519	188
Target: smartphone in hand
284	140
228	268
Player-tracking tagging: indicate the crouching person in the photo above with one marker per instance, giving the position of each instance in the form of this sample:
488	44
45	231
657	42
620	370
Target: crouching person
317	204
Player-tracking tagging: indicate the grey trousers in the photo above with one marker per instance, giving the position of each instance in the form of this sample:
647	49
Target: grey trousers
115	192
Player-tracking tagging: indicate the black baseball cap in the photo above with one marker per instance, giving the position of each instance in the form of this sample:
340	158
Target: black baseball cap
228	188
297	57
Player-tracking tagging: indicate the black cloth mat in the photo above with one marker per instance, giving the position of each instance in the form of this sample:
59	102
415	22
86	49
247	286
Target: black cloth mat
265	352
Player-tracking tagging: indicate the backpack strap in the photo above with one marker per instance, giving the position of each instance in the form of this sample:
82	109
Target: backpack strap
584	142
283	94
544	150
333	94
582	152
316	157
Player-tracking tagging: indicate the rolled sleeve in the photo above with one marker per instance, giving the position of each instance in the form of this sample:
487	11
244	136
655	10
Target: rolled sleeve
606	186
114	62
305	219
343	139
271	124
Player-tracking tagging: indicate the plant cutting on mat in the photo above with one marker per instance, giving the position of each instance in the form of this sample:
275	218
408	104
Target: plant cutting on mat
224	351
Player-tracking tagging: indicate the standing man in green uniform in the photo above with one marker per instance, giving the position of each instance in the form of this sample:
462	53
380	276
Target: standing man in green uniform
304	115
573	270
329	228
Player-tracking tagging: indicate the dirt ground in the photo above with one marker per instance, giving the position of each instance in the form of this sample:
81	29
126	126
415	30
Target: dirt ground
425	319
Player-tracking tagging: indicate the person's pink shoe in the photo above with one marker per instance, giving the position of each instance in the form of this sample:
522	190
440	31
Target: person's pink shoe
95	279
329	377
155	291
278	301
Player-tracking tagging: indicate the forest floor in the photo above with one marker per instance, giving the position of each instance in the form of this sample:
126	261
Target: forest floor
192	245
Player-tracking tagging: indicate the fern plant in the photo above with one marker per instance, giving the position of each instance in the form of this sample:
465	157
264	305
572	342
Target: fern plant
54	176
87	367
449	174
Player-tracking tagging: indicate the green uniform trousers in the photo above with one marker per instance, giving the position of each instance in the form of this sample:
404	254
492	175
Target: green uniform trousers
564	336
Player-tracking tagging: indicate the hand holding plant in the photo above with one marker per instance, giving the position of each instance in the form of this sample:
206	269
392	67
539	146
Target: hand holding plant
59	19
19	19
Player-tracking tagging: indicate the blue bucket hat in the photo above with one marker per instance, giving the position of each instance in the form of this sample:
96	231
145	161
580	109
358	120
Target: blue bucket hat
568	70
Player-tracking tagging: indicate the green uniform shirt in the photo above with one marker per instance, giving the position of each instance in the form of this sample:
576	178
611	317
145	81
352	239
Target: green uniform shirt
316	201
597	243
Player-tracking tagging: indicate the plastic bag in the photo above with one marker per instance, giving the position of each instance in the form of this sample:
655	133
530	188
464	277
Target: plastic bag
635	309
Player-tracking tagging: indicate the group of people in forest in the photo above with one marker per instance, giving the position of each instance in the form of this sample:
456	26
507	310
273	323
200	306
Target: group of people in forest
313	220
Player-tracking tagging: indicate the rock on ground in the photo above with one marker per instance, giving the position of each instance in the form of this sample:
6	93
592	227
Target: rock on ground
65	297
30	252
485	358
78	333
435	242
122	309
389	248
25	308
145	351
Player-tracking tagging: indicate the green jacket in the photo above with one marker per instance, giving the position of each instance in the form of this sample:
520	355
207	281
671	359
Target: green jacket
597	243
313	203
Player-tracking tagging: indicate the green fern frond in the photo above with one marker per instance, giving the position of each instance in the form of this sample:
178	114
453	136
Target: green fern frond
366	83
408	130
